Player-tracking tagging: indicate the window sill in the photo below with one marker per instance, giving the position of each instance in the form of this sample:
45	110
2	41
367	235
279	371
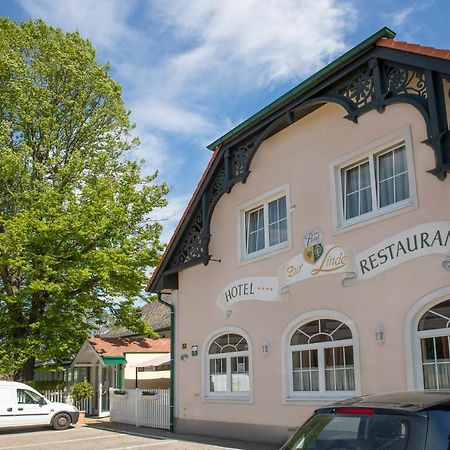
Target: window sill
319	398
228	399
380	215
265	254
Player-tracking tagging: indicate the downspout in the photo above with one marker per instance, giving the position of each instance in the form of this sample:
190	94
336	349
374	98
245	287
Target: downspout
172	360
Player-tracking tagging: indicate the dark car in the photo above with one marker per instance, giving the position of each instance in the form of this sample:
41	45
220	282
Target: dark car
395	421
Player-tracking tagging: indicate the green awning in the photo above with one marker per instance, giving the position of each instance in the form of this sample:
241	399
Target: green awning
111	360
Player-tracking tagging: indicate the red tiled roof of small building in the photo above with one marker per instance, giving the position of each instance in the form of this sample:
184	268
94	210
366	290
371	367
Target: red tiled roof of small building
414	48
120	345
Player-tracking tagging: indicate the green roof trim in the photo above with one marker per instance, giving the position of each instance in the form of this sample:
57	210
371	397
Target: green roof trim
111	360
308	83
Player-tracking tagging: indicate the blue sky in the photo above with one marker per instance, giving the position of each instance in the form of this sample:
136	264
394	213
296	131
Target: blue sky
193	69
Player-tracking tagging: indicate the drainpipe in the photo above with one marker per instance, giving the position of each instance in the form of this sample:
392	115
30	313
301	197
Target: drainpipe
172	359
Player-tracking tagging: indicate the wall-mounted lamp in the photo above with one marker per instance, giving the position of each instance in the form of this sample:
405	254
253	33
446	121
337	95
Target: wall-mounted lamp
379	333
265	347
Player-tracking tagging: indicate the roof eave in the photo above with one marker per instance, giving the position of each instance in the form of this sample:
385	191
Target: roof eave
363	47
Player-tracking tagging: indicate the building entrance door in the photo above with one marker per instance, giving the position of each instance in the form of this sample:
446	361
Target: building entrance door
107	379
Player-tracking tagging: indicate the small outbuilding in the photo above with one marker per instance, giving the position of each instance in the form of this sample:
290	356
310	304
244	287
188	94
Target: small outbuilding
122	363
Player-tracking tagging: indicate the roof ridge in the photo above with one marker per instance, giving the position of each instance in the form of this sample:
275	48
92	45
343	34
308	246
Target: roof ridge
405	46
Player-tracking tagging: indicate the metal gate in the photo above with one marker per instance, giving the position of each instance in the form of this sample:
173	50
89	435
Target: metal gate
141	407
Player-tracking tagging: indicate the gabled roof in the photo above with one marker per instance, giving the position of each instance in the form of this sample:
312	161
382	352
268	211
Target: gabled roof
383	38
156	314
120	345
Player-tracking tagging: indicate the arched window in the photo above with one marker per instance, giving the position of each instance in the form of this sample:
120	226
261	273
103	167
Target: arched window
433	331
321	359
228	366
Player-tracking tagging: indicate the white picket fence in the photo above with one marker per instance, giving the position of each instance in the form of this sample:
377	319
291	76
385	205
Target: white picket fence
141	407
63	396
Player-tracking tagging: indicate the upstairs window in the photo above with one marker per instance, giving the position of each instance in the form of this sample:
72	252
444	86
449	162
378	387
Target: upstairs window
377	181
264	226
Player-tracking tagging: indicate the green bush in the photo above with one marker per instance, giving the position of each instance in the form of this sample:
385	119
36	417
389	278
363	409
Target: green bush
82	390
47	385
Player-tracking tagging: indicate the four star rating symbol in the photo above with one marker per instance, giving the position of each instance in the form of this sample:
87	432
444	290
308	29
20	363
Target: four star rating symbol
264	289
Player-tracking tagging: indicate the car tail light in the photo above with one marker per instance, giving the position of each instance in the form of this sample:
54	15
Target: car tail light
358	411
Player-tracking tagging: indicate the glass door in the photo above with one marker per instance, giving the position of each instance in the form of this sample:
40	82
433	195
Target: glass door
108	380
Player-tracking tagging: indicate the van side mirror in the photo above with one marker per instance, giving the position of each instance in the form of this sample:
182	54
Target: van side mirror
42	401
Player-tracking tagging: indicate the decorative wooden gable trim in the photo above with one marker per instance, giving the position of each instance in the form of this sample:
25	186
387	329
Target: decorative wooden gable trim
380	77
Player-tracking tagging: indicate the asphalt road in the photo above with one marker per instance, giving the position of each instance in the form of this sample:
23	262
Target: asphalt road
104	438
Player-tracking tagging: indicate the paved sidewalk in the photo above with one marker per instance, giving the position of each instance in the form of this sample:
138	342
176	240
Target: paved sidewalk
105	424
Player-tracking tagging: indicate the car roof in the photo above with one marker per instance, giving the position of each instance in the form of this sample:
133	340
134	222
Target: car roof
413	401
14	384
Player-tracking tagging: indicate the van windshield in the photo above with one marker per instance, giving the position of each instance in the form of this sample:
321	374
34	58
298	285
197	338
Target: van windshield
360	432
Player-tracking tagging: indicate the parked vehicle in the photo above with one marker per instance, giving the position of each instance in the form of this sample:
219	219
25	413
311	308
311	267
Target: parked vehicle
21	405
394	421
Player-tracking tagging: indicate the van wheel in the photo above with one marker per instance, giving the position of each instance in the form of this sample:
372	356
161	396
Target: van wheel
61	421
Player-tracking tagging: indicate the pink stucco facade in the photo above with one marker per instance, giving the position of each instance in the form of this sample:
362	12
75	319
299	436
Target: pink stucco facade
304	158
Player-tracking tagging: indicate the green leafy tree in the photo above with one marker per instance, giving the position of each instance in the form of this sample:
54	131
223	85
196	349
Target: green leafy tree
75	226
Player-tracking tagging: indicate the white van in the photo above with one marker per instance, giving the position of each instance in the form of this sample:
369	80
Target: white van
21	405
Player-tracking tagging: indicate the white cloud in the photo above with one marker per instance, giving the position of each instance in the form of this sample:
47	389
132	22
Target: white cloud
168	116
402	16
155	153
194	54
102	21
270	40
170	216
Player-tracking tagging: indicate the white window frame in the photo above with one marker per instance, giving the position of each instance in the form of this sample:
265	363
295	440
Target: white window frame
371	152
263	201
320	347
229	396
440	332
289	395
413	355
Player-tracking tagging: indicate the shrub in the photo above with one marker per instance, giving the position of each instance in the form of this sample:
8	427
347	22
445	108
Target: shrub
47	385
82	390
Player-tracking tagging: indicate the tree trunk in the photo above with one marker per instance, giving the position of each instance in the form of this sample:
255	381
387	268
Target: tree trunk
27	371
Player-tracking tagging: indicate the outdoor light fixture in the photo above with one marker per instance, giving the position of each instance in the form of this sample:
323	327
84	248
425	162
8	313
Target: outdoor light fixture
265	347
379	333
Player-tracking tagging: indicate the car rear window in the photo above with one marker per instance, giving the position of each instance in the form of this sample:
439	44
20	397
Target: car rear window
360	432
